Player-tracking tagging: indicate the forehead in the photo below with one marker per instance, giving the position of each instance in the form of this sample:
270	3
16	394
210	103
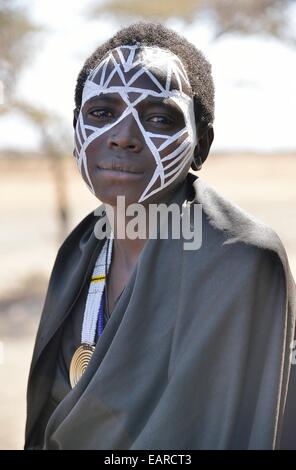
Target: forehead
153	70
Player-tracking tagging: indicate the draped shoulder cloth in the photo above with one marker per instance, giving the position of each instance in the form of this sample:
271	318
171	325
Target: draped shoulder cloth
196	352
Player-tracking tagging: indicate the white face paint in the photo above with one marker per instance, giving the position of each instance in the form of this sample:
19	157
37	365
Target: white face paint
115	74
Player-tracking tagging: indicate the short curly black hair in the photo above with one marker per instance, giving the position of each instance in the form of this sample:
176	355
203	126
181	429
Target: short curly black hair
198	69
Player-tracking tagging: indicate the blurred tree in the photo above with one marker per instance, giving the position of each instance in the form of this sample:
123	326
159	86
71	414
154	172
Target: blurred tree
16	31
16	48
247	16
55	144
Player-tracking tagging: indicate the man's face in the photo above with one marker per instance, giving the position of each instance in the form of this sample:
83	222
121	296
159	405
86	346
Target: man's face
135	133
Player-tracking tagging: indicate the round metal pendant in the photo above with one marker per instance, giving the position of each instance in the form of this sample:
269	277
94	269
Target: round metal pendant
79	362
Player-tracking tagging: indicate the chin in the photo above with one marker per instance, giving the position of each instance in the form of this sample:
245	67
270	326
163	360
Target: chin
109	196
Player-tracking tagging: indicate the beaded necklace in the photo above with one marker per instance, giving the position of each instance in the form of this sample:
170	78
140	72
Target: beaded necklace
93	319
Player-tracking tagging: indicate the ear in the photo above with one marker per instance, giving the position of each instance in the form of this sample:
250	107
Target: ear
205	137
75	116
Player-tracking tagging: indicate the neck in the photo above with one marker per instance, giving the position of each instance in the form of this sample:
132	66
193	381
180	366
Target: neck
127	248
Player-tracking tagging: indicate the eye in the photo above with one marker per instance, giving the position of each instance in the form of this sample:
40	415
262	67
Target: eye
101	114
158	119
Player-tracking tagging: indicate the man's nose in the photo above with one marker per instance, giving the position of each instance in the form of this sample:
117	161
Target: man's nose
126	135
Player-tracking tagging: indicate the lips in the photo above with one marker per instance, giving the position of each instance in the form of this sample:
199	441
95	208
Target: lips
119	166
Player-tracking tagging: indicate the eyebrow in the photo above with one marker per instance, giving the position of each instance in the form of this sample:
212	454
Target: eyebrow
164	102
111	97
115	98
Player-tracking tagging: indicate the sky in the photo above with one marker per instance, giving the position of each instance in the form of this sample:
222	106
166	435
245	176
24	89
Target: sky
254	77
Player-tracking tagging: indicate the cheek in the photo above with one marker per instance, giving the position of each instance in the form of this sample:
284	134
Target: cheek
83	174
171	147
78	142
95	148
173	154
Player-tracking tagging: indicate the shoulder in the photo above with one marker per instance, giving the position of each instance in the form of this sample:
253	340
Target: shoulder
81	230
244	238
236	225
81	234
73	263
76	250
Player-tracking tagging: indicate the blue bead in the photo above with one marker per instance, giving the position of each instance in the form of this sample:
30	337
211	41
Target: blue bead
101	315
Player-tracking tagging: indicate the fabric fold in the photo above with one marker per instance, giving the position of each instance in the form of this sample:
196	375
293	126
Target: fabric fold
195	354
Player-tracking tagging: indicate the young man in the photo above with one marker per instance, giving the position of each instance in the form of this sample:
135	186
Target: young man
145	343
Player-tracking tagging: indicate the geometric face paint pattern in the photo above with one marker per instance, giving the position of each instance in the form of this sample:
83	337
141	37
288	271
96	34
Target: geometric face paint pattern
119	72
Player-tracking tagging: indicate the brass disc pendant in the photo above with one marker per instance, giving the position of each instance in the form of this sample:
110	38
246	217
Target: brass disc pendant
79	362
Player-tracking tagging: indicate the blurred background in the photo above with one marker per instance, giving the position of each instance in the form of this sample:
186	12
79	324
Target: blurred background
43	44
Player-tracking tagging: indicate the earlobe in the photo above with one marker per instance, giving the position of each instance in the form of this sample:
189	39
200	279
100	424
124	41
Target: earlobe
210	135
205	141
197	162
202	149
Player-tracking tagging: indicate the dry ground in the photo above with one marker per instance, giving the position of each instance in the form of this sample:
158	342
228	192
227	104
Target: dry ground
262	185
